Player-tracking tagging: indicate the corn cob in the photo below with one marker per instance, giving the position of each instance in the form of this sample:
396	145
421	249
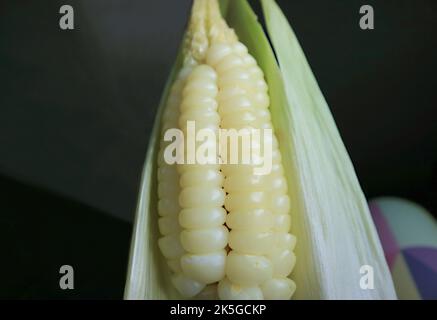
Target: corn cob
224	231
221	86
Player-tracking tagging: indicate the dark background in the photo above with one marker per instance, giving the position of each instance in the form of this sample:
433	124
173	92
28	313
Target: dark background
77	106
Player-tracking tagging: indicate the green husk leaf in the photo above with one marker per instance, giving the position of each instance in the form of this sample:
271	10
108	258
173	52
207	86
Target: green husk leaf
148	276
329	213
335	225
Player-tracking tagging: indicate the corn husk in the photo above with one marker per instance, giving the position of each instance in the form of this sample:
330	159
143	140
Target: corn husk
330	217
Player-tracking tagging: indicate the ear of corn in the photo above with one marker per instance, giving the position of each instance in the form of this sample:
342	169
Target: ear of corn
327	208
